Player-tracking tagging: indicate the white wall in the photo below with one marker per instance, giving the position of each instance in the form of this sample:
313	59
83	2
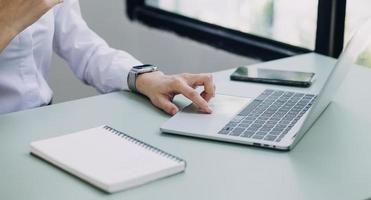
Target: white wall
168	51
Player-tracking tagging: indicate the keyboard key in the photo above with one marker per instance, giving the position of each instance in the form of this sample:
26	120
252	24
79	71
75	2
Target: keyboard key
271	109
263	133
247	134
279	126
263	118
267	92
266	130
261	97
249	118
261	122
302	112
278	129
268	126
250	107
286	131
224	132
281	112
299	95
309	96
254	116
247	121
266	115
258	137
253	128
278	93
297	108
244	125
237	119
289	117
237	131
275	118
231	124
285	122
229	127
275	133
281	136
270	138
269	112
272	122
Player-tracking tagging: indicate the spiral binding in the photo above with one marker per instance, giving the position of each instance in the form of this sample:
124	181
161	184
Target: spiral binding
143	144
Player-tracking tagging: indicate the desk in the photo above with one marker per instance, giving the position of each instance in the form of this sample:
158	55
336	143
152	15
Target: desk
331	162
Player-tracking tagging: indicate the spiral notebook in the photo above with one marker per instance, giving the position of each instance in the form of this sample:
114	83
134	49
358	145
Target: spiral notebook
107	158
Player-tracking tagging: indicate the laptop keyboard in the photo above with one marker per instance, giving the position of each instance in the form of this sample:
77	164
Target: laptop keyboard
270	116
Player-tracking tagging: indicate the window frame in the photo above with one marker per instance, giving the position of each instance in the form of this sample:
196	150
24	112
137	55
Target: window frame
329	33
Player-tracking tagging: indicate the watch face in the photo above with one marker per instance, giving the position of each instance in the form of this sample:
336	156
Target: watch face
143	67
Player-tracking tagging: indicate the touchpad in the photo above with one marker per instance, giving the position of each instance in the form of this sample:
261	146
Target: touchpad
221	105
191	120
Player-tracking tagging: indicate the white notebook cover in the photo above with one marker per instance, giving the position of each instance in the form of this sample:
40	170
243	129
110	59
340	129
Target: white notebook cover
107	158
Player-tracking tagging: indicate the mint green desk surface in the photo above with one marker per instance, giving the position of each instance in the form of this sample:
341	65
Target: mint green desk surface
331	162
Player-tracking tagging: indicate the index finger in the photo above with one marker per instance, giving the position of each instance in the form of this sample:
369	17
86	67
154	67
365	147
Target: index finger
205	80
194	96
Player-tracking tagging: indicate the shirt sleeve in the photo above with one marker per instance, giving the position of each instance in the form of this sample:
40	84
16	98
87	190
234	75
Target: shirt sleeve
88	55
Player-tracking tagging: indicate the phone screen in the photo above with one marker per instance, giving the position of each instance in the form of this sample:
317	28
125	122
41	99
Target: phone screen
273	76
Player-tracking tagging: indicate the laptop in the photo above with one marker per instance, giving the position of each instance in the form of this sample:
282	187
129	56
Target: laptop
275	119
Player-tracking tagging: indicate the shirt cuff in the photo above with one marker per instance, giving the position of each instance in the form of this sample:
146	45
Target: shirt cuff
122	63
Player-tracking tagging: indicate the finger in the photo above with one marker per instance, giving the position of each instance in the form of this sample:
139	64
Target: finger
193	95
166	105
206	96
205	80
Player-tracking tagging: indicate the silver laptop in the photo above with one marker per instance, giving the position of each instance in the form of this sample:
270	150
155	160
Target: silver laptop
274	119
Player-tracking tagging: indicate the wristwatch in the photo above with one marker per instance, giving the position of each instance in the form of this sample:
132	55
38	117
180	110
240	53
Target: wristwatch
136	71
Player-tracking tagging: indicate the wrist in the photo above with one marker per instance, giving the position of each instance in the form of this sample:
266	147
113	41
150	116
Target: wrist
145	80
135	72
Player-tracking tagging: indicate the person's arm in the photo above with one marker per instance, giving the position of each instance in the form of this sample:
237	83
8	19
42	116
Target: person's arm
17	15
107	69
87	54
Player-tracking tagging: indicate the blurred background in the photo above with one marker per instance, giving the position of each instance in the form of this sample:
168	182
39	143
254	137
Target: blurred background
288	22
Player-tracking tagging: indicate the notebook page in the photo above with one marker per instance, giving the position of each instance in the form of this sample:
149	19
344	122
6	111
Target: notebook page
103	156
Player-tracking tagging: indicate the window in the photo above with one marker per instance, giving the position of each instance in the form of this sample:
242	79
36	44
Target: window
358	11
265	29
292	22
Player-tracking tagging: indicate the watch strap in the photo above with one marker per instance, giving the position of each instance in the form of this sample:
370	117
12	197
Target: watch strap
131	81
135	72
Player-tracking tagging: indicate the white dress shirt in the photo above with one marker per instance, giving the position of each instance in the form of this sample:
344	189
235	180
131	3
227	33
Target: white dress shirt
25	62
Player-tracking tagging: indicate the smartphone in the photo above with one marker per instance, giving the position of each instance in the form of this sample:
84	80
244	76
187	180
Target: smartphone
272	76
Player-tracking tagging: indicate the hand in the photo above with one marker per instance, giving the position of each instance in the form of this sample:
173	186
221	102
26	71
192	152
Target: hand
161	89
17	15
